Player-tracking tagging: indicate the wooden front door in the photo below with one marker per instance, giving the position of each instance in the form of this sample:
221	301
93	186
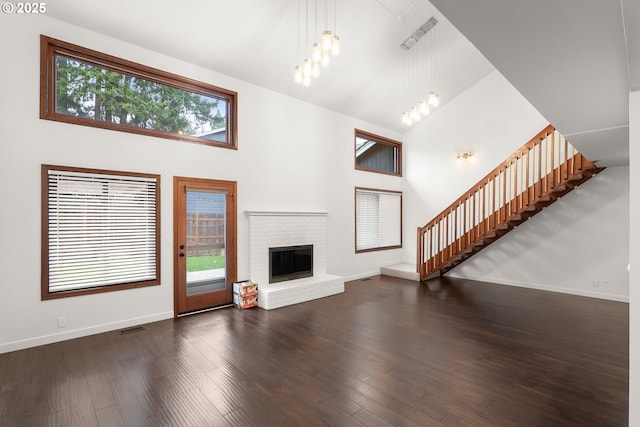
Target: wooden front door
205	252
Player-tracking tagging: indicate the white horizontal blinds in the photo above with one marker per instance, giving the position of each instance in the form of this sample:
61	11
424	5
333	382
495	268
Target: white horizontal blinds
101	229
390	219
367	219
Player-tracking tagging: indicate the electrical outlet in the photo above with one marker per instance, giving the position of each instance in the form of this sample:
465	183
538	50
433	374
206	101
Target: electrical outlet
595	283
62	322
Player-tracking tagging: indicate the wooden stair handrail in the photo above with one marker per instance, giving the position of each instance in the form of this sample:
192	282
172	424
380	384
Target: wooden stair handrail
526	180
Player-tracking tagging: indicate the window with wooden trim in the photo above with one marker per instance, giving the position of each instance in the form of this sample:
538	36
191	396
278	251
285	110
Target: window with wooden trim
100	231
85	87
378	219
375	153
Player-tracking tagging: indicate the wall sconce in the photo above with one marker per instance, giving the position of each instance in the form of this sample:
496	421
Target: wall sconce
464	156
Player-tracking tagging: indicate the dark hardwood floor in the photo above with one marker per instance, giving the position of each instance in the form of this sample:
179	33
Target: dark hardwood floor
387	352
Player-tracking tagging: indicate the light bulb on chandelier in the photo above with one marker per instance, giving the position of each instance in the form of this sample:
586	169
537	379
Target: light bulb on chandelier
306	67
414	115
423	108
335	45
316	52
433	99
325	60
406	119
322	50
297	74
315	70
327	41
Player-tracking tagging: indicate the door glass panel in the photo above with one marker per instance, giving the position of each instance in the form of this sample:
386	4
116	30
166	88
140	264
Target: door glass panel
205	224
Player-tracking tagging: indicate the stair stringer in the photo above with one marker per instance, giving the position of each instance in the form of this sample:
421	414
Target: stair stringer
570	170
512	224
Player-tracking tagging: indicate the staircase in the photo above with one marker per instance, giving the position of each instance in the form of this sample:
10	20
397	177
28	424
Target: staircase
536	175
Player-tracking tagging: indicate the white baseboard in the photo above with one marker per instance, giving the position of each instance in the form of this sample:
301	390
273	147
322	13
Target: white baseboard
361	276
562	290
83	332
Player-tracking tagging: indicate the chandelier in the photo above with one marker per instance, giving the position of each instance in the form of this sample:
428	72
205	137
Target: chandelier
418	72
325	45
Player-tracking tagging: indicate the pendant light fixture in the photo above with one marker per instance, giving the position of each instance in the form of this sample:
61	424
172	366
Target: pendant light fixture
419	71
326	45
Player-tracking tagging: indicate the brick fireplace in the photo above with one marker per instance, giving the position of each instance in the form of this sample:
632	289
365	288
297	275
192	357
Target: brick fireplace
277	229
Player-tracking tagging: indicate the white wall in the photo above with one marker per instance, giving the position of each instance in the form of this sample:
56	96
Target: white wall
634	247
580	239
490	119
279	138
584	236
291	156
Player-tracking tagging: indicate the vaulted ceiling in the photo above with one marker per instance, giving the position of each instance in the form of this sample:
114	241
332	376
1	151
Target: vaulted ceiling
574	60
257	41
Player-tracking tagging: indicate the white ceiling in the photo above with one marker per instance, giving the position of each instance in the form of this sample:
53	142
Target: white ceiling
568	58
257	41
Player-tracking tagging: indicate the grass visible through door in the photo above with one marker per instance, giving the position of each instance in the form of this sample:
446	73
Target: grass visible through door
206	262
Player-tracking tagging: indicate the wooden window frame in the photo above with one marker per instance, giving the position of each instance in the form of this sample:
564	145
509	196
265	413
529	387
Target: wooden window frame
45	288
380	140
355	210
50	48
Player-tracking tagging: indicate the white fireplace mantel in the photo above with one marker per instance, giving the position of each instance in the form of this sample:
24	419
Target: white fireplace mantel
274	229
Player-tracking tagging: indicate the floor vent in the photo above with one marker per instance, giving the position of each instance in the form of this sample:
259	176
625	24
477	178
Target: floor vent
365	279
131	330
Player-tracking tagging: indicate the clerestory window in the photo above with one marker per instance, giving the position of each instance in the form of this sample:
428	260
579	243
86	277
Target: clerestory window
86	87
375	153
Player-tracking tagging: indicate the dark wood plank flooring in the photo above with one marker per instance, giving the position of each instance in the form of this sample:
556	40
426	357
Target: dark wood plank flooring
387	352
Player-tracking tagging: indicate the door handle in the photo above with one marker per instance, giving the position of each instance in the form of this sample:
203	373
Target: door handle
181	254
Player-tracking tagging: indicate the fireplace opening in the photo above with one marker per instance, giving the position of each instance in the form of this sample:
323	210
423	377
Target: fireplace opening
290	262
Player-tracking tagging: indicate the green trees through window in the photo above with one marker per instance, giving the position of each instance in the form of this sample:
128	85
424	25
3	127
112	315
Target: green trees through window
86	87
84	90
